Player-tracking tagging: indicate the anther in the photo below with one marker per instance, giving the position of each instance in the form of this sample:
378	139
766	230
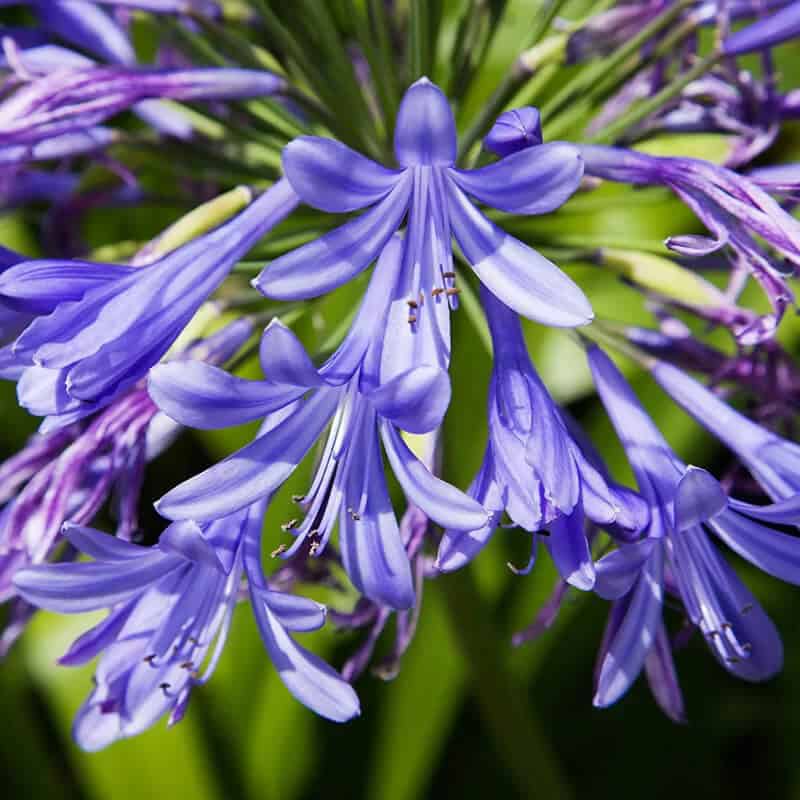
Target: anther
313	549
448	275
187	665
287	526
436	291
353	514
452	291
746	609
149	659
164	688
412	303
281	548
412	318
298	498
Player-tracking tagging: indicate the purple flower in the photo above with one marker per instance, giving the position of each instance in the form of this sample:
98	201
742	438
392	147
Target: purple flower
733	208
70	473
68	101
772	460
433	194
534	469
515	130
765	33
106	325
688	506
302	401
168	605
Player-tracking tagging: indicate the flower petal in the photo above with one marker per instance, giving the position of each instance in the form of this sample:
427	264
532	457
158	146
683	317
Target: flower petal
203	396
618	570
536	180
284	359
254	471
698	498
416	400
425	130
186	539
458	547
293	612
443	503
338	256
101	546
307	677
569	549
515	130
519	276
331	177
634	637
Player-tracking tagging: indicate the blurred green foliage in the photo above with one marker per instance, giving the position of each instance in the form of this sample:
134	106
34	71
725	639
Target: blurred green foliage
468	716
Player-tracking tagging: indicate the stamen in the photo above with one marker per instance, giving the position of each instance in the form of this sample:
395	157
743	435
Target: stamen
287	526
279	550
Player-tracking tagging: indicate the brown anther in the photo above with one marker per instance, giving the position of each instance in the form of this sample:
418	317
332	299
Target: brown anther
412	319
452	291
448	275
187	665
726	626
298	498
164	687
353	514
436	291
287	526
149	659
746	609
281	548
412	303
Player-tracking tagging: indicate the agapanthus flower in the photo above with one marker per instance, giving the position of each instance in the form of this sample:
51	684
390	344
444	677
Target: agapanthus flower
765	33
105	325
70	473
349	483
772	460
433	194
168	606
688	507
67	101
534	469
733	208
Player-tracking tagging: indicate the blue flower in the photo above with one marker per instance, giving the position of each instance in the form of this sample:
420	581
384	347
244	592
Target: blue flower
433	194
106	325
302	401
535	470
168	605
688	506
772	460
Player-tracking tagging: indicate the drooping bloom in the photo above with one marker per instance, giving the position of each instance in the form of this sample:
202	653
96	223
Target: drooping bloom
535	470
733	208
105	325
688	506
434	195
70	474
772	460
349	483
169	605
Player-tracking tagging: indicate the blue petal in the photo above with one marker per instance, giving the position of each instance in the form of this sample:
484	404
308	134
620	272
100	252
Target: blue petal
772	551
618	570
331	177
457	547
373	552
440	501
569	549
186	539
74	588
634	637
533	181
254	471
295	613
519	276
415	401
202	396
514	130
96	639
698	498
101	546
284	359
785	512
425	130
306	676
338	256
663	678
39	286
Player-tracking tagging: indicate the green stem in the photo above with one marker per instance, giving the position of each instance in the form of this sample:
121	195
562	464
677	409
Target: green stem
504	707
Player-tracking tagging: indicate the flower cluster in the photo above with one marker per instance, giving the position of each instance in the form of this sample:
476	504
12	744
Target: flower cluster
113	346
